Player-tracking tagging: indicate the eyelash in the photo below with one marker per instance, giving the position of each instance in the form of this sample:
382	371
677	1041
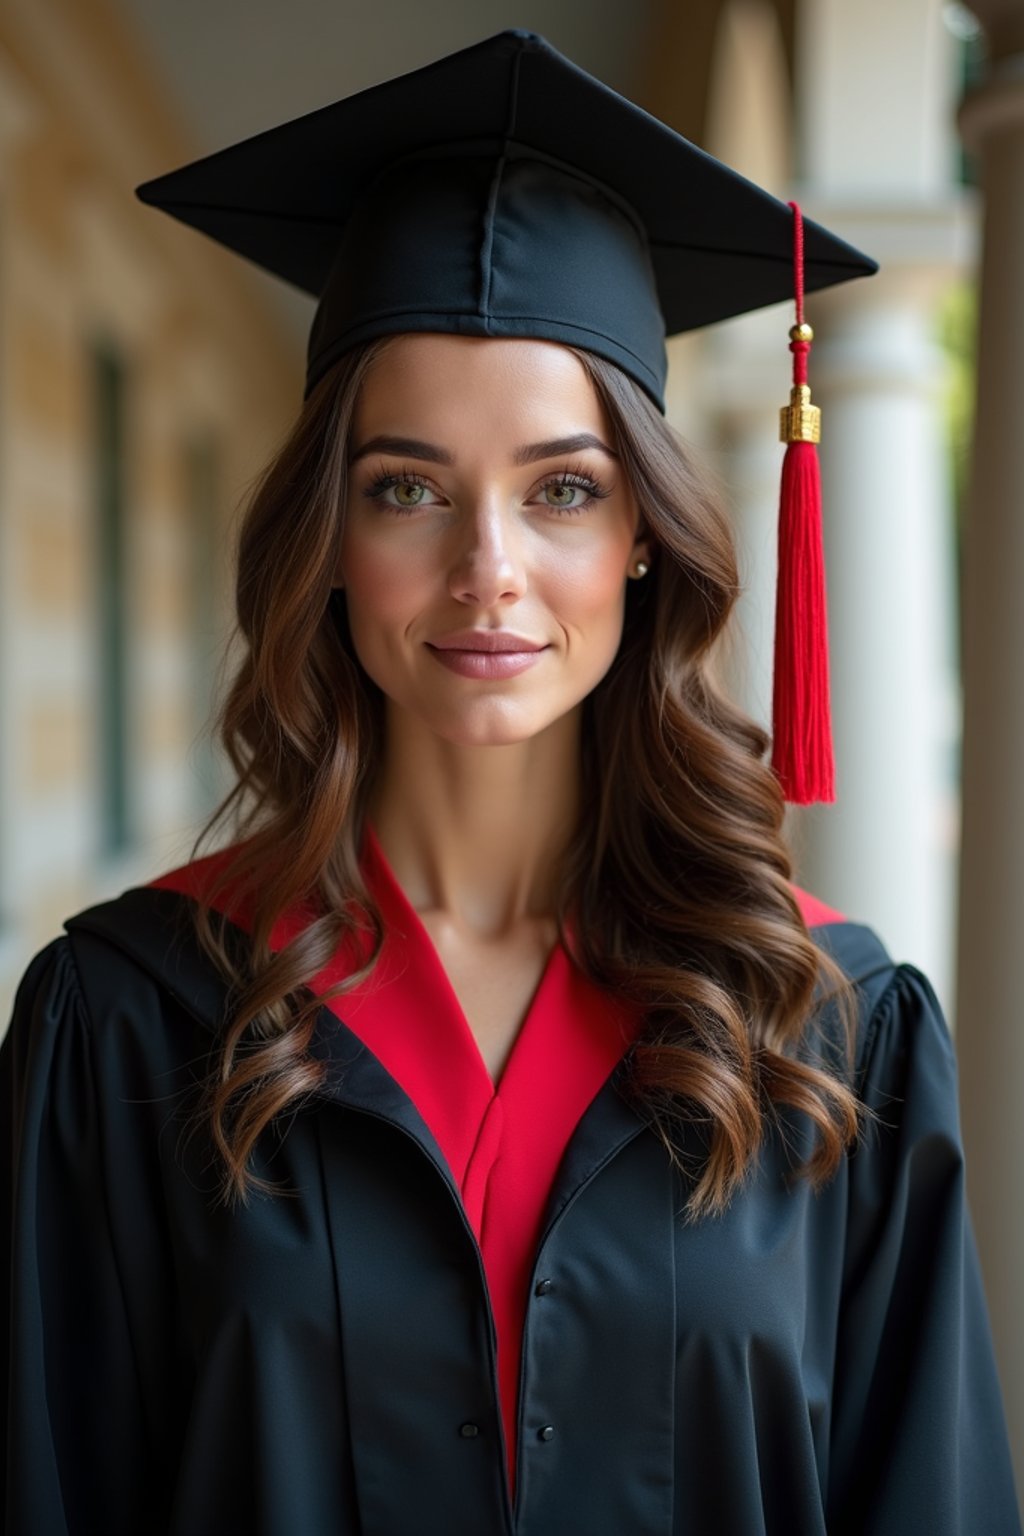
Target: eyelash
570	476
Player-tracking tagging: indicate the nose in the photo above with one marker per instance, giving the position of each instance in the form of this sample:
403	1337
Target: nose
489	563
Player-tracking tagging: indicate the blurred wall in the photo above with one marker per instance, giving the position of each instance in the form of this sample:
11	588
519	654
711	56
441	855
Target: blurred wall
142	383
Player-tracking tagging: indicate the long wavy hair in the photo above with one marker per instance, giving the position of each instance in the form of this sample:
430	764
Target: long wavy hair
677	876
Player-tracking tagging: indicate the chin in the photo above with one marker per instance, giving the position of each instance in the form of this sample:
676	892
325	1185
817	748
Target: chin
487	722
493	733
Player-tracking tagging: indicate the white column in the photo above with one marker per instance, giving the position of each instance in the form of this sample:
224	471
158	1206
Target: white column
875	89
991	996
885	852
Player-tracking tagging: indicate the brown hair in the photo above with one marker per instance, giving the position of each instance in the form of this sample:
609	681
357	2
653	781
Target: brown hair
678	871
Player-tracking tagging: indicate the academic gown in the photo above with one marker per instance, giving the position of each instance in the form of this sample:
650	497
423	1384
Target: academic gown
501	1143
479	1310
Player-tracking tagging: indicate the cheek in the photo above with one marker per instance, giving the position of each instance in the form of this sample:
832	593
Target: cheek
590	580
381	581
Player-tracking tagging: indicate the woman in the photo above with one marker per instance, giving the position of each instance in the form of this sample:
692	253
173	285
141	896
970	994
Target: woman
490	1138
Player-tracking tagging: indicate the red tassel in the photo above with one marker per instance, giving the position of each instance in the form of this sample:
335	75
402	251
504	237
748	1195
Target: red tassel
802	754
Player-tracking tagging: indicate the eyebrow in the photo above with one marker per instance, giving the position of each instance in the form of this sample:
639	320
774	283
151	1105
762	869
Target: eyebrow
413	448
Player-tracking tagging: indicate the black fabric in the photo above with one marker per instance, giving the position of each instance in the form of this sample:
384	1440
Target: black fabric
501	191
804	1364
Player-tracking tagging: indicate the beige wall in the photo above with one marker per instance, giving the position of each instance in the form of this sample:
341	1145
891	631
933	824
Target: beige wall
81	124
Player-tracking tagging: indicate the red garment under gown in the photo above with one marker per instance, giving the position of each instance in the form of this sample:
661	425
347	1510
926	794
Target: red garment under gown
503	1143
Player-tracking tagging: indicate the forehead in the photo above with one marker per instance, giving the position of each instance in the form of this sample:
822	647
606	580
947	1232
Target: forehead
463	379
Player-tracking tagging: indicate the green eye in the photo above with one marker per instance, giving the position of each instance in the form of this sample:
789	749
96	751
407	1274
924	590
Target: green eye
410	492
565	487
565	491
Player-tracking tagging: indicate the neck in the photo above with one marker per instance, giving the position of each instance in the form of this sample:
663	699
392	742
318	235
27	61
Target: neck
475	834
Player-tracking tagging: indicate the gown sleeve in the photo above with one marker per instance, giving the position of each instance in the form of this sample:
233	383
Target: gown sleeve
73	1451
919	1441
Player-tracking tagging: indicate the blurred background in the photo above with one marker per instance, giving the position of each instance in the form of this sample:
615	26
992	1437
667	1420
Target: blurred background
146	375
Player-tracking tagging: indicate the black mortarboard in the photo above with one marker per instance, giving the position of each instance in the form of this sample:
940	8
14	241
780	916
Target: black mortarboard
501	191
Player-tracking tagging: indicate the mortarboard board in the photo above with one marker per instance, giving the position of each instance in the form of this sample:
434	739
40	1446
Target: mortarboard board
503	191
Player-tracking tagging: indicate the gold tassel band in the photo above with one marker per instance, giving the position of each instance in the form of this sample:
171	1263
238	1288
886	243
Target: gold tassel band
800	421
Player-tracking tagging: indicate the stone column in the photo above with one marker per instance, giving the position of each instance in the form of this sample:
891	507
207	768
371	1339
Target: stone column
991	941
875	86
885	852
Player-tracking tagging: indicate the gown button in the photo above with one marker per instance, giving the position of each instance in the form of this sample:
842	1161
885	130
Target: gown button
467	1431
546	1432
542	1287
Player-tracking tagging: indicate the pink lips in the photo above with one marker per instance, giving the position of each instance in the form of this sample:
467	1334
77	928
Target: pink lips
484	664
482	653
485	640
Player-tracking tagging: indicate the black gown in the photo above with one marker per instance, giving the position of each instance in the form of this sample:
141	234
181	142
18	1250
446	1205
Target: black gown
323	1364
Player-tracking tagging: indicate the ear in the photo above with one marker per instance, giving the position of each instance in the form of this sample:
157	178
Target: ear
643	535
643	543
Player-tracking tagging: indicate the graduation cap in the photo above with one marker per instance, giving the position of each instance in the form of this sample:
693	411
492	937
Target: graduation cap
503	191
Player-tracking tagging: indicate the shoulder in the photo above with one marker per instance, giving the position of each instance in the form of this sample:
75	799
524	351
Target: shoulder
98	1059
90	1016
898	1012
855	946
139	952
147	936
48	1003
899	1016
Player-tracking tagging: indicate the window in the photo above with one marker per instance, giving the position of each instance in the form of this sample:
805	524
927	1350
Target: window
202	481
109	452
